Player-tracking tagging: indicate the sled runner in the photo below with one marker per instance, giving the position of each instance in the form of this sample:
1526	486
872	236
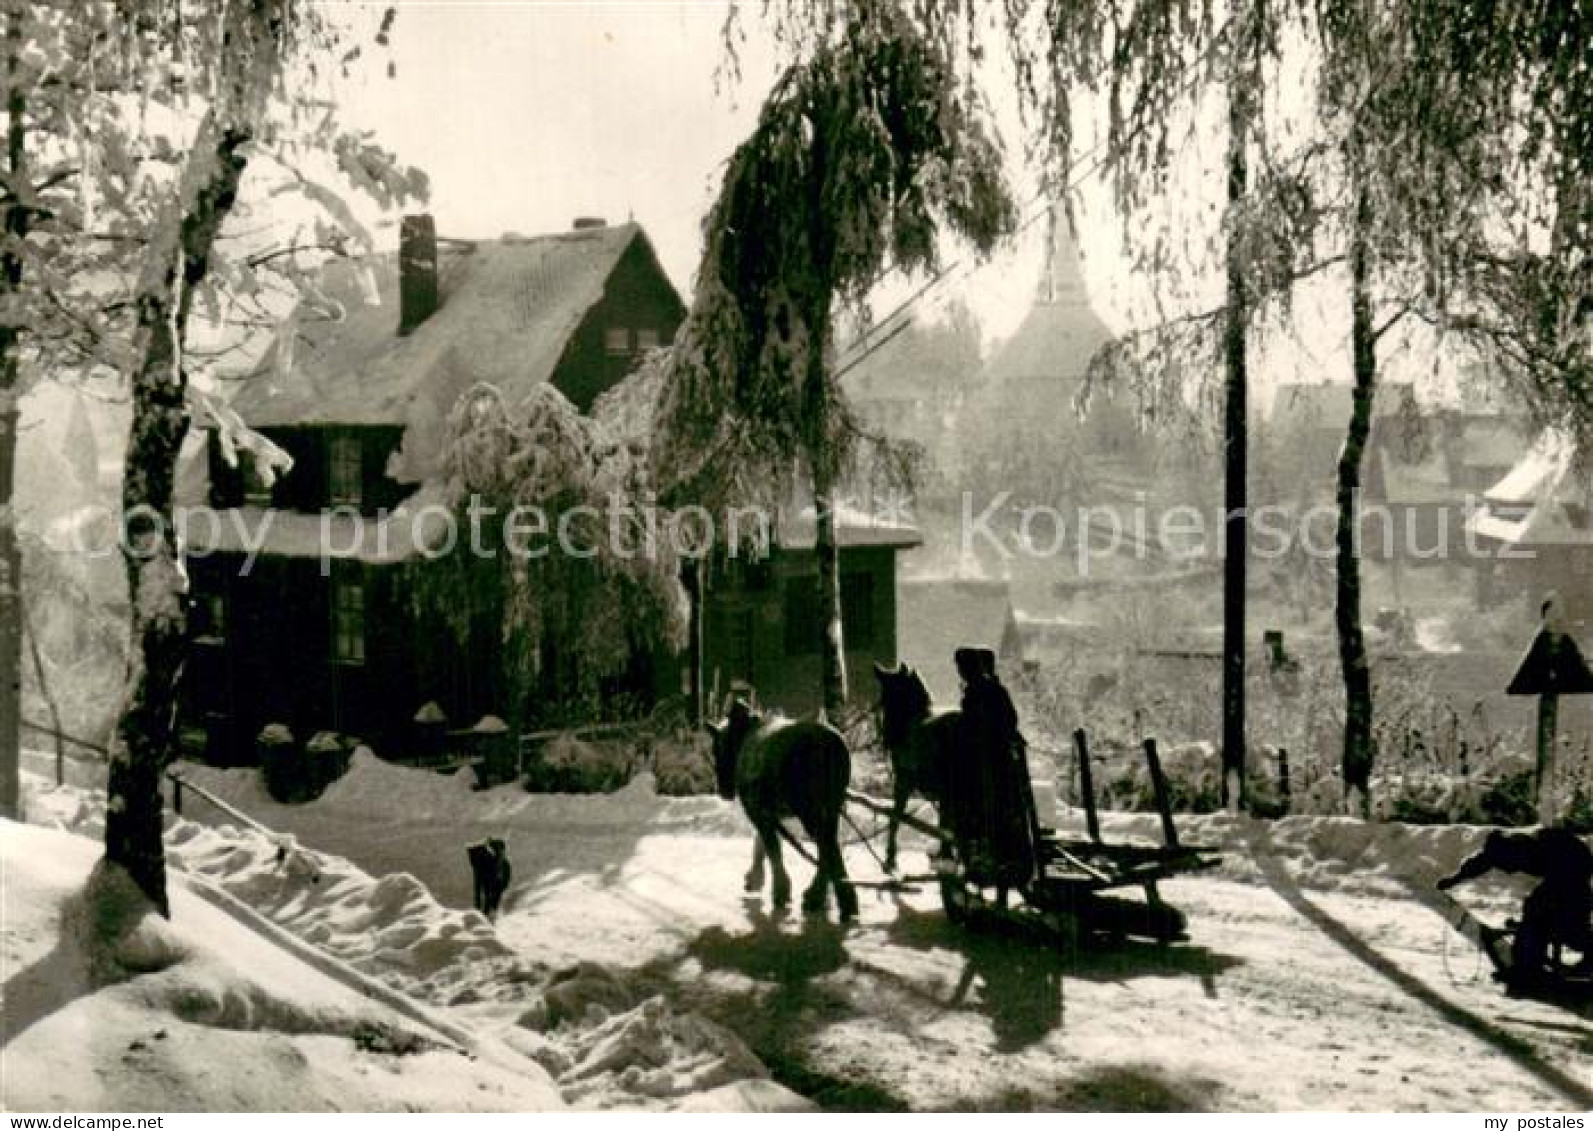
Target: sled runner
1559	984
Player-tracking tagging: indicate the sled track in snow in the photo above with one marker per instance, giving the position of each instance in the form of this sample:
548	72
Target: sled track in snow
1259	840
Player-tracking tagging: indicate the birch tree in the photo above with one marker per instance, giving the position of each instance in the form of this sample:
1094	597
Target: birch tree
1449	125
866	148
130	126
101	100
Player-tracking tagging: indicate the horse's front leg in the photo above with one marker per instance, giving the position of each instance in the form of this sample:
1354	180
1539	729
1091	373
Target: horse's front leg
769	838
754	879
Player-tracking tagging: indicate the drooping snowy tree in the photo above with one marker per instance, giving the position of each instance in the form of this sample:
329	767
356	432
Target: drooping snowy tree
1458	142
583	581
868	146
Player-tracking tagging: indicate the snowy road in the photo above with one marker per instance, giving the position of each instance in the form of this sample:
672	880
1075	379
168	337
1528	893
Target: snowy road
1306	984
1262	1009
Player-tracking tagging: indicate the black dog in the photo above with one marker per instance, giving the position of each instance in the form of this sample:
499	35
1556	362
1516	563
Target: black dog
489	865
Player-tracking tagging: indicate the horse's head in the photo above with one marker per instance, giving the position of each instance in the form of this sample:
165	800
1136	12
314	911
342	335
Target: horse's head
728	737
903	703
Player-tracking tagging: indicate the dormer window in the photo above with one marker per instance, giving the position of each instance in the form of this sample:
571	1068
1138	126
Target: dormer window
345	471
646	339
617	341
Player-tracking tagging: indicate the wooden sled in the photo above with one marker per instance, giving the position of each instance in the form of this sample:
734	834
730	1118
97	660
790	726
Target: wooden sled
1067	897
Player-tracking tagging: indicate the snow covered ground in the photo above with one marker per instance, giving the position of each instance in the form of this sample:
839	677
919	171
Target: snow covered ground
109	1007
1320	973
594	1039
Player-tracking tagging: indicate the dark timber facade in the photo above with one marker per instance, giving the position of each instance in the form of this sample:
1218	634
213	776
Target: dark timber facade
358	401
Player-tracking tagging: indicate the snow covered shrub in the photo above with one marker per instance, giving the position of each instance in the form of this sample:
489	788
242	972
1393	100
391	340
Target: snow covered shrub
1194	780
1264	785
280	762
569	765
326	759
683	764
1508	801
1415	798
295	773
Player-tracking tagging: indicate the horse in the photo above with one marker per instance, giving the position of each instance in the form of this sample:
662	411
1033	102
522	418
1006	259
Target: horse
921	741
781	767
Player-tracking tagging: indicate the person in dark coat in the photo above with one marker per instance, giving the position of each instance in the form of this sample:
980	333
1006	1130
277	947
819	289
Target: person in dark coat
998	805
491	871
1557	911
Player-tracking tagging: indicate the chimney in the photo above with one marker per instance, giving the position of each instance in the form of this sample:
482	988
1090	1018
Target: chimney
417	271
584	223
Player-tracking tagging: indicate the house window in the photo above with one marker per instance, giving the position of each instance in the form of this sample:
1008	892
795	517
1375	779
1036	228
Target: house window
348	621
617	341
210	617
802	631
857	609
345	470
647	338
804	628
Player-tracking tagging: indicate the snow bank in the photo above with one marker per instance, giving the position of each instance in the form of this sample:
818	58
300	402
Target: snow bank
110	1007
390	928
606	1044
373	787
1340	854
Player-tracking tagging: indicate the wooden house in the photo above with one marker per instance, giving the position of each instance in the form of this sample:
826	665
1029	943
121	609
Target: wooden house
1535	527
761	625
357	391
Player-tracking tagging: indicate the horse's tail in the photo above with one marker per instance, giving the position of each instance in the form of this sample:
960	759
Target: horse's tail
835	768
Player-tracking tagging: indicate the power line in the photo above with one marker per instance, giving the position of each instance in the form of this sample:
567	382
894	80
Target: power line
868	347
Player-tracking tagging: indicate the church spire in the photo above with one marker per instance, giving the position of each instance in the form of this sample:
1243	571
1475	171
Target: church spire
1061	278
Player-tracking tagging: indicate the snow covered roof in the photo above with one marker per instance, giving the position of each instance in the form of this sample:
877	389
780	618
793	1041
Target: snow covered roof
507	311
1545	500
853	527
416	525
